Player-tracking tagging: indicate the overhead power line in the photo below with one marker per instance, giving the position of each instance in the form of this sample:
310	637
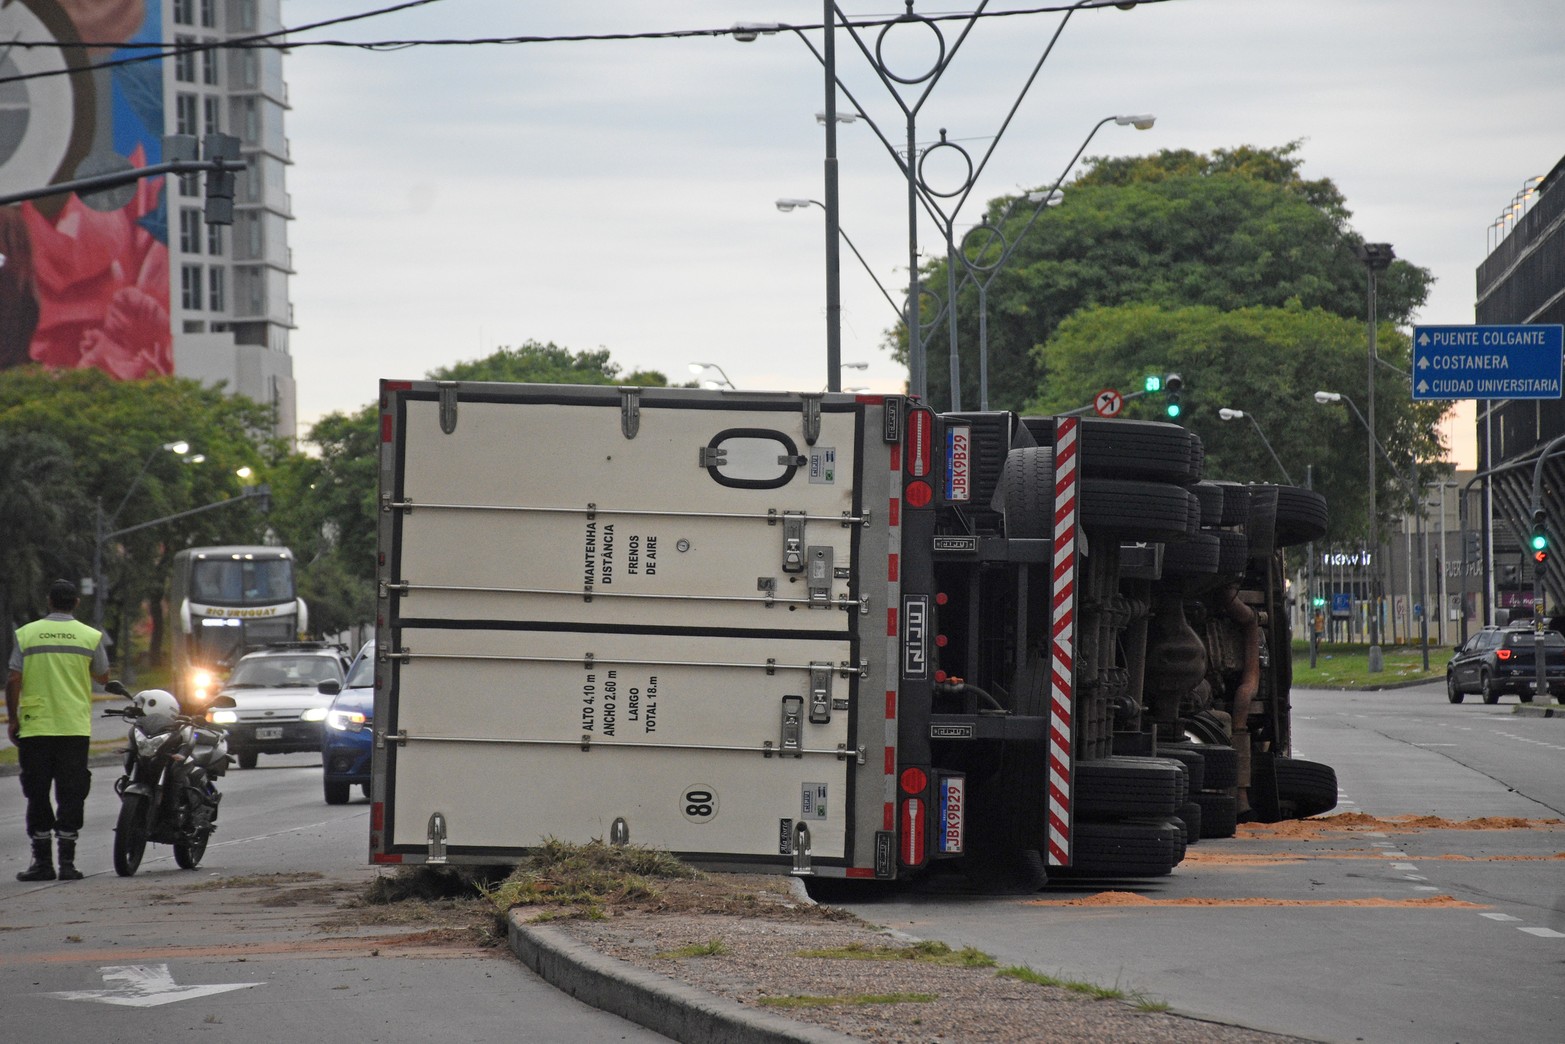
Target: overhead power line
270	41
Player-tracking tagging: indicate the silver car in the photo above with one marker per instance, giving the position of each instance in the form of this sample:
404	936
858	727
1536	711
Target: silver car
278	705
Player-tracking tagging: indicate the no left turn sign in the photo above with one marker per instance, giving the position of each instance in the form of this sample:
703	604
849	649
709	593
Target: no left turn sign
1108	403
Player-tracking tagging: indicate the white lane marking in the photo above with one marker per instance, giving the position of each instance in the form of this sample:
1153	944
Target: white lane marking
145	986
1414	877
1373	833
1404	866
1543	933
1436	744
1425	888
1394	855
1528	739
1499	917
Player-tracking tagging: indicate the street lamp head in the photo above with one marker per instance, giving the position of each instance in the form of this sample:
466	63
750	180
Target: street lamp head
244	472
841	117
195	458
1227	414
1324	397
179	446
855	366
1376	256
1052	198
746	32
1140	121
785	205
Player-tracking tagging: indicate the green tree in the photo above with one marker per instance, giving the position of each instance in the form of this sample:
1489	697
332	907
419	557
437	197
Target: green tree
1230	230
40	496
1267	362
116	431
537	363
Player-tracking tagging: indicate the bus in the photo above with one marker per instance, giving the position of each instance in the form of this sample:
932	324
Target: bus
224	602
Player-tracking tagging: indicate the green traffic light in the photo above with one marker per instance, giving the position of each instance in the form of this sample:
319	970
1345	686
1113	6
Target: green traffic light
1173	409
1154	383
1540	542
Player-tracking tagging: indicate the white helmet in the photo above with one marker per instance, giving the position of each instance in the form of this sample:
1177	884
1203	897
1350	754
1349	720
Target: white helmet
158	708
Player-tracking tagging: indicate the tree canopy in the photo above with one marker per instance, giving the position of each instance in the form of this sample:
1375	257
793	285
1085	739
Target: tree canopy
1235	229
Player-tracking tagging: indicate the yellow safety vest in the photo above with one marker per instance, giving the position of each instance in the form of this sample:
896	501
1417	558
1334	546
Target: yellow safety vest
56	695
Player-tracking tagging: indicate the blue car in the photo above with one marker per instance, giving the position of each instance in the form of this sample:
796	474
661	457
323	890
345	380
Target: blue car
349	736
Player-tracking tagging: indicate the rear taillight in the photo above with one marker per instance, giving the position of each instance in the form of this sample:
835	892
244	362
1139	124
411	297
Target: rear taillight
920	442
1504	654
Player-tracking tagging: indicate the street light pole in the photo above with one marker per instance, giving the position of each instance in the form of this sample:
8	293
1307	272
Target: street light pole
833	222
1376	257
100	582
787	204
1227	414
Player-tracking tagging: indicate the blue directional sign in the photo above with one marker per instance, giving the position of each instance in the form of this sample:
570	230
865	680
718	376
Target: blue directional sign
1341	603
1487	362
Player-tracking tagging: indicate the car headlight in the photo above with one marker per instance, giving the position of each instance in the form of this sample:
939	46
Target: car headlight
314	714
346	721
222	717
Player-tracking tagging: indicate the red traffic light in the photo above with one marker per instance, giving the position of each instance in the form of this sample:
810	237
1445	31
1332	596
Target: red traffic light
1541	555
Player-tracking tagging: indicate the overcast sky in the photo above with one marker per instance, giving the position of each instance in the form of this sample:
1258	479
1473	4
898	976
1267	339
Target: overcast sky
620	194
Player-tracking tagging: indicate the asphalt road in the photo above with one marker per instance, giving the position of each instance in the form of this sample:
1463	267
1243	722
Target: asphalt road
234	952
1345	937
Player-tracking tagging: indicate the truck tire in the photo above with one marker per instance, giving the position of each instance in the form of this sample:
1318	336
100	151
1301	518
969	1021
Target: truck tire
1205	727
1236	504
1301	516
1190	815
1150	511
1222	765
1219	814
1115	787
1197	556
1290	788
1197	458
1027	493
1191	759
1128	449
1210	494
1234	551
1145	849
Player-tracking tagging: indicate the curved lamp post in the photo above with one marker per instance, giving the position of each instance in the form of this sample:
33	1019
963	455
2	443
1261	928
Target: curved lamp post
1376	658
701	367
788	205
1227	414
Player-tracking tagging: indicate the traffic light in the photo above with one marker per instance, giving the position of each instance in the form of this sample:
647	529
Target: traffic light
1173	384
1473	547
1153	383
220	183
1540	539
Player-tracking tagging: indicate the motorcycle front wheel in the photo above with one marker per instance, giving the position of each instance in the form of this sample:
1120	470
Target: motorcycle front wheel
130	834
188	854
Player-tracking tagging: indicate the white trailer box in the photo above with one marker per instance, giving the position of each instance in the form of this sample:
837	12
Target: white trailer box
654	615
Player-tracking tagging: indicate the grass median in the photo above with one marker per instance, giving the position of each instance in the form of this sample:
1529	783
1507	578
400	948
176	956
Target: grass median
1342	666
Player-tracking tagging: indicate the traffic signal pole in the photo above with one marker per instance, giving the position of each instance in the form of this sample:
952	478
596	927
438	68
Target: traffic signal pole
221	164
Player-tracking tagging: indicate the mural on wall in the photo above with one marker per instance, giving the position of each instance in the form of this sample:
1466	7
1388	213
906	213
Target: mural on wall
84	281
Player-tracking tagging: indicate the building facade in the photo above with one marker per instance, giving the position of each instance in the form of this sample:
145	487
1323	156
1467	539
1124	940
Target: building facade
132	280
1523	281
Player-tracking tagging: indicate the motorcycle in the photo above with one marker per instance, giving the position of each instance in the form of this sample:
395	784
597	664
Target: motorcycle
167	794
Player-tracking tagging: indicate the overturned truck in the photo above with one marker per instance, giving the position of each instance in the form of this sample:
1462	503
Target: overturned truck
828	634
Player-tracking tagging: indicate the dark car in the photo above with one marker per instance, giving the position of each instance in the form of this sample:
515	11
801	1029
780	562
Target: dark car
278	706
349	736
1500	660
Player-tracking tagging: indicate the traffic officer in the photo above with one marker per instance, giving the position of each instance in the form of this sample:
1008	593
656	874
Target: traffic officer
48	700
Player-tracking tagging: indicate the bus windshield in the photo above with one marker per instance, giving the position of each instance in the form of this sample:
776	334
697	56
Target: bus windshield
230	581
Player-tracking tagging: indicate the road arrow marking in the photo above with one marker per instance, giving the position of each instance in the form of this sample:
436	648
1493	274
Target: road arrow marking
145	986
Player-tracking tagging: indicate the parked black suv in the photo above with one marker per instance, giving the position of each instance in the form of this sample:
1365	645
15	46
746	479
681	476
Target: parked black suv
1500	660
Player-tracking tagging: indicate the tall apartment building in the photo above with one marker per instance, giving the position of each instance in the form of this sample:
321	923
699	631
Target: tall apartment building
132	280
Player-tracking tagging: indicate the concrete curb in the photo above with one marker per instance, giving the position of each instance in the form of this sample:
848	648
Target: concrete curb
661	1004
1547	710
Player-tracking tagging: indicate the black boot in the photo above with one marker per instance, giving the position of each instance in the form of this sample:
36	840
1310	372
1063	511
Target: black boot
68	871
43	862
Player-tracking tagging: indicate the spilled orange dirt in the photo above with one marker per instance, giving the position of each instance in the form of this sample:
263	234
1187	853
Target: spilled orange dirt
1441	902
1352	822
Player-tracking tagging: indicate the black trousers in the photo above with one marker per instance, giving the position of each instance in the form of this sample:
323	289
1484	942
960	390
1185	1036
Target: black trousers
58	762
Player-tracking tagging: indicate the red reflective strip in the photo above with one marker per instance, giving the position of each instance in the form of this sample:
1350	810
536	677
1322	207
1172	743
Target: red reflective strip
861	871
894	513
385	427
891	705
396	385
896	456
891	621
891	761
378	816
893	567
386	857
890	817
